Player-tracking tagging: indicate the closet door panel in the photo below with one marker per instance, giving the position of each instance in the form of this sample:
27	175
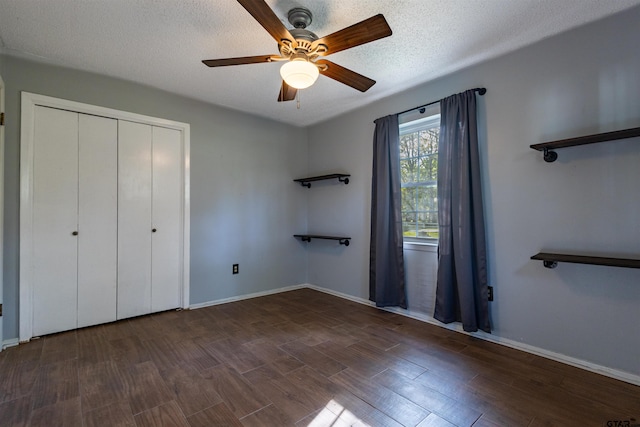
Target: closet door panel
97	219
167	198
55	213
134	219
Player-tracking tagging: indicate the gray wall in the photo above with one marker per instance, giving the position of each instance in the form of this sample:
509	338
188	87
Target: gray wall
244	206
581	82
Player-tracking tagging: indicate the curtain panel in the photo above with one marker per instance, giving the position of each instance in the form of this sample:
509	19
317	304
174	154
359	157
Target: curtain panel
462	292
386	262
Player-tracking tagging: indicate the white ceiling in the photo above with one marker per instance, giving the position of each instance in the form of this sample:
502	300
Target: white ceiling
161	43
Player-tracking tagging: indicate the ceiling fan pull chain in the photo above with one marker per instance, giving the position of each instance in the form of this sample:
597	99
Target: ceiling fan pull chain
298	98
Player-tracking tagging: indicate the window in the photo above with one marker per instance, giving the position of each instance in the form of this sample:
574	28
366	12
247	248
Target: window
419	175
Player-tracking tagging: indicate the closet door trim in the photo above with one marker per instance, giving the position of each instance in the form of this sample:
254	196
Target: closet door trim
29	101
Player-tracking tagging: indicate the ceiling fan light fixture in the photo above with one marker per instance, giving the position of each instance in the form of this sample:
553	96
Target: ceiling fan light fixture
299	73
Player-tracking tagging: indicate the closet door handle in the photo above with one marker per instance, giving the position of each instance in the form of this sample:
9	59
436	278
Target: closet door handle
75	233
153	230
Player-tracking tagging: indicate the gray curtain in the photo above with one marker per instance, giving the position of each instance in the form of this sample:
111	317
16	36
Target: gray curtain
461	294
386	263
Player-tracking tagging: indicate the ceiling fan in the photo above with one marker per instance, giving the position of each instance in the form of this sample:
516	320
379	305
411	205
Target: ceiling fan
301	49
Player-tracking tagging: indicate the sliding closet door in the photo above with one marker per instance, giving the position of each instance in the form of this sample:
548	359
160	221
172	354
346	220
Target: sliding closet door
166	250
97	219
134	219
55	225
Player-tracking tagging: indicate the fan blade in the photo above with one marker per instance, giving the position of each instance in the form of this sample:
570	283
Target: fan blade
344	75
363	32
287	93
262	13
238	61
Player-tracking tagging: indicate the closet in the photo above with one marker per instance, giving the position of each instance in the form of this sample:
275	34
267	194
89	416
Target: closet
104	223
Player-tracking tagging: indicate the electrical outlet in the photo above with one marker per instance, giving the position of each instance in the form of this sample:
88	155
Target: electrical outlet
490	293
236	268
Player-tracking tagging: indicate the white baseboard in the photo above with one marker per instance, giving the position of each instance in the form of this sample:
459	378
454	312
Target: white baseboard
558	357
10	343
247	296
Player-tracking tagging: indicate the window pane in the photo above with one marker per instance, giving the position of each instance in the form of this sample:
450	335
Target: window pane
429	141
408	146
426	198
419	175
409	170
427	224
428	168
408	195
409	224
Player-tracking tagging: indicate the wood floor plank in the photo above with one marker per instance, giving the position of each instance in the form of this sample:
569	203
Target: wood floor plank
166	415
65	413
238	395
389	402
101	384
145	387
438	360
358	412
597	387
116	414
447	385
26	352
59	347
266	350
499	402
162	352
17	379
402	366
443	406
267	417
290	400
357	333
323	418
15	413
56	382
314	358
188	351
128	350
556	401
217	415
361	363
433	420
93	346
231	352
193	392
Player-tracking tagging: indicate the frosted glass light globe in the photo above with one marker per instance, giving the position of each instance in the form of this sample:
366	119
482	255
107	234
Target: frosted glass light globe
299	73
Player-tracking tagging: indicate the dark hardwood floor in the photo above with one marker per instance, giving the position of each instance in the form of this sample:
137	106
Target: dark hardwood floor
300	358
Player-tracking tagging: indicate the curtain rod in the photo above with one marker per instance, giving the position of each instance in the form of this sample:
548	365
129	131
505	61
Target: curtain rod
481	91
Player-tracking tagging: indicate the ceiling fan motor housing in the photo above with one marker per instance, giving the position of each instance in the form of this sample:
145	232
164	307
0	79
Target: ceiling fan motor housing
300	17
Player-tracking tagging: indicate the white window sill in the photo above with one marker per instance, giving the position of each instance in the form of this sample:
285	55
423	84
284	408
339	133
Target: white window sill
421	246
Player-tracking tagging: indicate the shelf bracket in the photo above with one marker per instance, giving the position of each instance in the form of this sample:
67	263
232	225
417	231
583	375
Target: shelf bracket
306	238
305	184
550	264
549	156
344	241
345	180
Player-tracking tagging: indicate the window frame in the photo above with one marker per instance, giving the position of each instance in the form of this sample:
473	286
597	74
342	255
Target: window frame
415	121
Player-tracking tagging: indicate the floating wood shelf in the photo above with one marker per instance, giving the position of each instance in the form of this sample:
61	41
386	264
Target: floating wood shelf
551	156
307	238
551	260
306	182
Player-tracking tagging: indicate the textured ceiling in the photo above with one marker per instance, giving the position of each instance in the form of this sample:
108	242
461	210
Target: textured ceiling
161	43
